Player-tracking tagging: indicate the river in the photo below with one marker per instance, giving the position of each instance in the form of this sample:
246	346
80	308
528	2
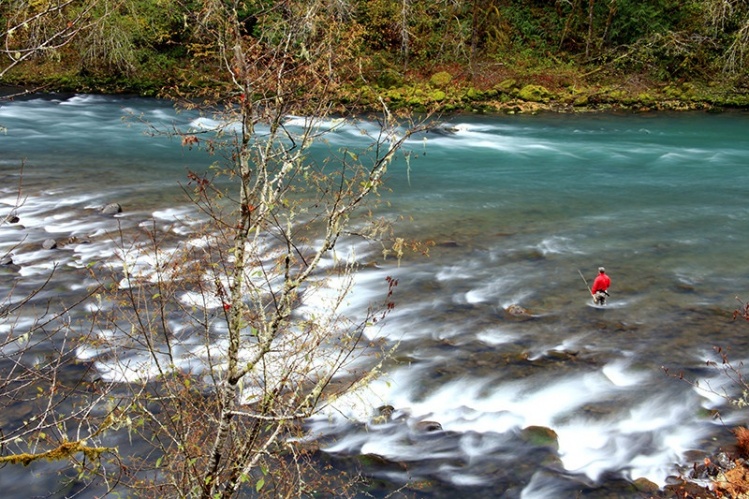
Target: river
521	210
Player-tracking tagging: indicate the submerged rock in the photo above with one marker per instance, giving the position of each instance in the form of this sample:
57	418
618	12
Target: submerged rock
443	129
381	463
428	426
517	311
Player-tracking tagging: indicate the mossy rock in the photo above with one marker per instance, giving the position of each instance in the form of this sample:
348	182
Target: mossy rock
581	101
534	93
441	79
474	94
506	85
618	95
645	98
541	436
437	96
645	485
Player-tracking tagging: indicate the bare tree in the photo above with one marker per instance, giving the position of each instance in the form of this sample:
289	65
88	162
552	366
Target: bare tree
222	361
203	363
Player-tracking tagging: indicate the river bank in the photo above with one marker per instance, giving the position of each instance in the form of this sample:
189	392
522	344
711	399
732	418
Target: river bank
452	90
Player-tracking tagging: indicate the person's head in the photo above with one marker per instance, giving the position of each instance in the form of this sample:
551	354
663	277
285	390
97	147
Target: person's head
601	270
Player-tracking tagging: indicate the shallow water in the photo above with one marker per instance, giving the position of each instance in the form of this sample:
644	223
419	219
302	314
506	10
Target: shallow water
516	208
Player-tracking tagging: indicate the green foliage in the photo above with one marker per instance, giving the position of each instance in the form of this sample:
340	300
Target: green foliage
636	19
533	25
380	18
388	43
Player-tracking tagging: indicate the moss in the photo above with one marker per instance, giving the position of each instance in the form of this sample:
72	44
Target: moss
394	94
474	94
534	93
673	92
618	95
540	436
506	85
441	79
437	96
63	451
645	98
580	101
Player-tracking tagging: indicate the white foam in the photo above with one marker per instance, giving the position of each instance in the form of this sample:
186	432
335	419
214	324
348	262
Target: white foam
496	337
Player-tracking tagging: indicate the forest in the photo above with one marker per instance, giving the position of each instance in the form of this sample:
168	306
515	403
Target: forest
446	54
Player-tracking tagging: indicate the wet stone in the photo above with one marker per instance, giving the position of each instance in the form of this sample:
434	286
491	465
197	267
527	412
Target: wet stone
384	414
516	312
541	436
428	426
562	355
379	462
49	244
111	209
645	485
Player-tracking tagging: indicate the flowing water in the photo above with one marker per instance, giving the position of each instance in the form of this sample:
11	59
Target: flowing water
517	207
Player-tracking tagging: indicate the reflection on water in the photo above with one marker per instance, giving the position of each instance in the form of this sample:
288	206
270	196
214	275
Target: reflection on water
516	207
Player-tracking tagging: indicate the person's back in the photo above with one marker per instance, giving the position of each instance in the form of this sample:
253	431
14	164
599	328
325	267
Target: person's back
600	287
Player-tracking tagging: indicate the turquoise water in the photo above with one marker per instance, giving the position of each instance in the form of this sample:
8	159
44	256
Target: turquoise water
517	207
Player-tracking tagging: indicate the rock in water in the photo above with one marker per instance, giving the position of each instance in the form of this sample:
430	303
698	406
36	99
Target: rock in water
49	244
111	209
517	311
428	426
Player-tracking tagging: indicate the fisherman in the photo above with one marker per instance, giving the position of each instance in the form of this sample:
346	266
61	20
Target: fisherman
600	287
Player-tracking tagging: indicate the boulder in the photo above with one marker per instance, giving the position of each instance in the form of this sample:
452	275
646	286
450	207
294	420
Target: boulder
49	244
645	486
111	209
540	436
384	414
441	79
534	93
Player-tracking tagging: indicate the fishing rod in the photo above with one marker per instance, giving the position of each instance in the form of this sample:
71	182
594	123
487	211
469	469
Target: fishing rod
585	281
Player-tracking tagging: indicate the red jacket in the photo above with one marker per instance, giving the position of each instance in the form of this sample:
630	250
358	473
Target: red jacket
601	283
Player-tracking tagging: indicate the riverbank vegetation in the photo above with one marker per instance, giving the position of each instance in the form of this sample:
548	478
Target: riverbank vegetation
479	55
